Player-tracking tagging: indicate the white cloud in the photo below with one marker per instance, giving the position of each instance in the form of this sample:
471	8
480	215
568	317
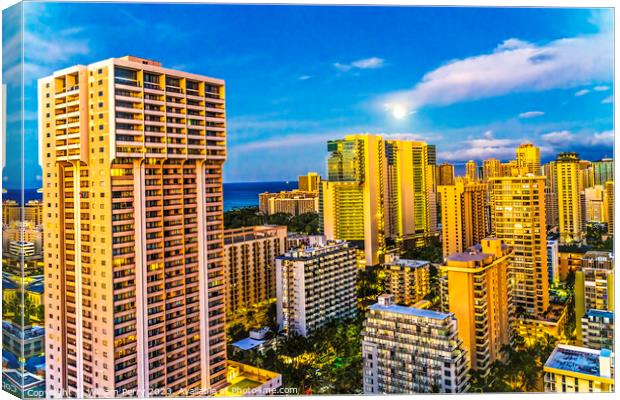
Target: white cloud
608	100
605	138
601	88
557	137
531	114
366	63
582	92
602	138
304	77
514	66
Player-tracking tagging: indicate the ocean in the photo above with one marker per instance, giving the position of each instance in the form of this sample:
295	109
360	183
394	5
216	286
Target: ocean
238	194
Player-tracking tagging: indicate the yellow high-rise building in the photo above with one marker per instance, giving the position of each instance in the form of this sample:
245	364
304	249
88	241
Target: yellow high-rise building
462	215
132	158
309	182
445	175
471	170
507	168
609	206
352	198
569	201
518	219
400	196
491	168
551	193
528	158
425	197
477	290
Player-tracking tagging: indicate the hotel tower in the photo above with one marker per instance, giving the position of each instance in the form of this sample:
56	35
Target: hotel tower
132	159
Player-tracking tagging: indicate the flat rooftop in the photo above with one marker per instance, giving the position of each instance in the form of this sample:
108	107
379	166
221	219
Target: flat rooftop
600	314
408	263
416	312
576	359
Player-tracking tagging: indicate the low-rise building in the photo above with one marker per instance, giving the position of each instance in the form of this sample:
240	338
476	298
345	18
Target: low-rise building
294	202
579	369
409	350
315	285
246	380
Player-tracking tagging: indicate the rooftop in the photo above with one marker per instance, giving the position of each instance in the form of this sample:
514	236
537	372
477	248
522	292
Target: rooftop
575	359
415	312
408	263
315	251
248	343
600	314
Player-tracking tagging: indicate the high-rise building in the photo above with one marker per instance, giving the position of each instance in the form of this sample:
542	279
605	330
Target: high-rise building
250	262
551	193
518	219
491	168
400	196
586	174
477	295
553	261
424	190
594	204
471	170
408	350
507	168
594	285
528	158
352	198
569	204
597	327
603	171
579	369
462	214
445	175
407	280
132	158
315	285
609	206
309	182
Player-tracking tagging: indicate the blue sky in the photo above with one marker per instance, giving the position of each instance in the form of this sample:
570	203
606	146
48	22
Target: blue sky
476	82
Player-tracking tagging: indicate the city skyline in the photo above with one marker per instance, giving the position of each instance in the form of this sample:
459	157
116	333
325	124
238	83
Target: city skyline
283	111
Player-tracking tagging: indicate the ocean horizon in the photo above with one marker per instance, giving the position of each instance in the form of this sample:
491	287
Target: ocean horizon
236	194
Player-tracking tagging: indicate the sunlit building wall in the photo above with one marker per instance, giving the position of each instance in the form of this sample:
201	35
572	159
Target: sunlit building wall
528	158
518	219
569	204
132	158
462	214
477	289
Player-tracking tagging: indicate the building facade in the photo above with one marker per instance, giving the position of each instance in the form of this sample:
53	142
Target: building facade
408	350
528	158
597	327
315	285
132	158
407	280
518	219
250	261
463	215
569	202
478	296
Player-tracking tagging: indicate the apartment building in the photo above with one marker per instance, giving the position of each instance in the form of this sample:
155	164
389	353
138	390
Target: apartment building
594	286
597	327
407	350
528	158
315	285
132	156
294	202
471	170
579	369
463	215
518	219
445	174
477	294
407	280
250	262
569	202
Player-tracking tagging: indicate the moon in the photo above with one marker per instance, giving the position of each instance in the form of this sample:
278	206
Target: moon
399	111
